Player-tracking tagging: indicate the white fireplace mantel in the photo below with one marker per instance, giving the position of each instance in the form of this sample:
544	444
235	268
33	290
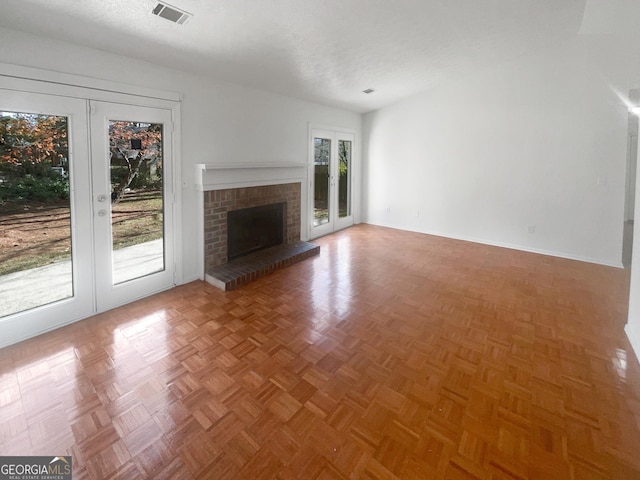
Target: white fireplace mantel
222	176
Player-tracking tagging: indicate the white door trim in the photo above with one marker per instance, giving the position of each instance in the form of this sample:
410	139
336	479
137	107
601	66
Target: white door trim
36	79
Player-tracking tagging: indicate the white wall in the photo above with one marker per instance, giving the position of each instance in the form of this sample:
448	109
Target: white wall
221	123
633	325
541	141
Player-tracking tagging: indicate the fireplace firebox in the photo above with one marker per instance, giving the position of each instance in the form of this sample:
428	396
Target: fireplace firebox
255	228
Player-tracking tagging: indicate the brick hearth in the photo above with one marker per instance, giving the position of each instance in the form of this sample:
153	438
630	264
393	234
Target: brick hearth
243	270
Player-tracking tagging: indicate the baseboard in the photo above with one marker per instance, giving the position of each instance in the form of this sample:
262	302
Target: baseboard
190	279
633	334
511	246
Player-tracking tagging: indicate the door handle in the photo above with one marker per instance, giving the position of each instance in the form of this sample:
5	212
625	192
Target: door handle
102	213
102	198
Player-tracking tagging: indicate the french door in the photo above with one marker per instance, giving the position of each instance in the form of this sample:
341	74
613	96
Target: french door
132	198
331	155
85	208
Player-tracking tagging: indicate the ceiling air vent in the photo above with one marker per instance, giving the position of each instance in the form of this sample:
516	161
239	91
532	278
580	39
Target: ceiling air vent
171	13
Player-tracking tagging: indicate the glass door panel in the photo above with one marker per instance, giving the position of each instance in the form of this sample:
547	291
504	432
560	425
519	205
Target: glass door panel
321	178
137	199
344	178
35	211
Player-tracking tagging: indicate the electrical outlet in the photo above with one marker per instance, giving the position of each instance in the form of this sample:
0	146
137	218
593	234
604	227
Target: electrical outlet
531	228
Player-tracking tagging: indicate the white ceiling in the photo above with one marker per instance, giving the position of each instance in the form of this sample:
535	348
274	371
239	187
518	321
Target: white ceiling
326	51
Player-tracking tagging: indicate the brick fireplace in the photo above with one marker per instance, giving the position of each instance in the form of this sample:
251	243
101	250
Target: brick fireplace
218	202
227	188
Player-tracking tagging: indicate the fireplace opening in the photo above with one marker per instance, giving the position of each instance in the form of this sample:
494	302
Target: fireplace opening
255	228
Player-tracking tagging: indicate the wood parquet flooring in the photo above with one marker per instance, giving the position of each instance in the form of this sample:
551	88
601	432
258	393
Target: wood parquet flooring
392	355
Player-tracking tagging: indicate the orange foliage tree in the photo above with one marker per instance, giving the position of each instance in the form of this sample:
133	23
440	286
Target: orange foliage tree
32	144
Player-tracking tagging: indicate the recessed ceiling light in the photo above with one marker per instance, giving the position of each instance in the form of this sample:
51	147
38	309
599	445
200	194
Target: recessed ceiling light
171	13
368	91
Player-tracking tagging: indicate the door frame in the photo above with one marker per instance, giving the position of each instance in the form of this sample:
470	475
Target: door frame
335	222
16	78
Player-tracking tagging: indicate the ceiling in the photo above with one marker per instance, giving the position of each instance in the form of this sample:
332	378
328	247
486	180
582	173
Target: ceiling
327	51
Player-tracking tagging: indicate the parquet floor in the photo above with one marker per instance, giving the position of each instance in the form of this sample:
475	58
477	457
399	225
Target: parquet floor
390	355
